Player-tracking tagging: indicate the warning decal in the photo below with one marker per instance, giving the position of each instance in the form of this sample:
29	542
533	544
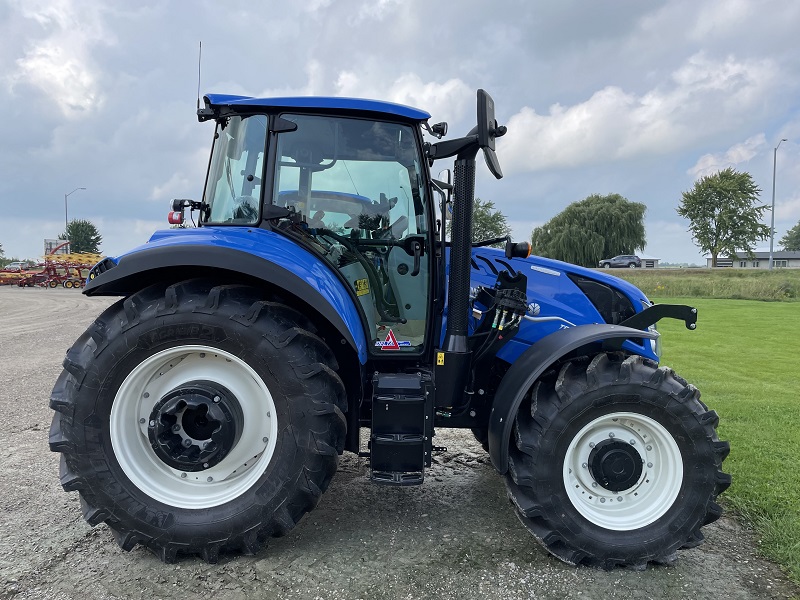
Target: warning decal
391	343
362	286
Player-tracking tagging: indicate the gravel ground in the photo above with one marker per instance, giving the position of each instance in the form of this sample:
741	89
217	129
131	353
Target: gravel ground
456	536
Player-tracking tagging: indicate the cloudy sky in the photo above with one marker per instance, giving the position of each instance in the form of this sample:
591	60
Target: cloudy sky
624	96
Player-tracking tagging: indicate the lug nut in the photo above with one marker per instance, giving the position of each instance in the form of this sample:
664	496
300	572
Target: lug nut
649	448
649	465
147	394
152	423
591	444
265	439
619	498
183	475
142	420
603	500
585	466
633	442
176	428
611	435
216	399
187	443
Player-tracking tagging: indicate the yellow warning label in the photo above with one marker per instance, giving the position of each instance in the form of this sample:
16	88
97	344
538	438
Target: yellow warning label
440	358
362	286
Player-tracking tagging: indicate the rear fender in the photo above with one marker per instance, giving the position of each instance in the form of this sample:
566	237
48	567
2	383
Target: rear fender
524	372
274	260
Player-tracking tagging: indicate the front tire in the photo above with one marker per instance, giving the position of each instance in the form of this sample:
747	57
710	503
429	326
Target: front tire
615	462
196	419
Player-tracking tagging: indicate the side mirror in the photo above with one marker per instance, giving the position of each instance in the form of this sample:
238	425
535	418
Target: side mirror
488	130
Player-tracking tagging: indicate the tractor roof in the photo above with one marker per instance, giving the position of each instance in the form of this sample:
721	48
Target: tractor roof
318	102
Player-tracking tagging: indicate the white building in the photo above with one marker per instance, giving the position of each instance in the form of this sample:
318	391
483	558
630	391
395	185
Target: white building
781	259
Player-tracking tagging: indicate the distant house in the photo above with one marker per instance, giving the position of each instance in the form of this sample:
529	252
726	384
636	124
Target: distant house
782	259
649	262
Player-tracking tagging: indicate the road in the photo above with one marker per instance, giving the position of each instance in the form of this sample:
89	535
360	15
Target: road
456	536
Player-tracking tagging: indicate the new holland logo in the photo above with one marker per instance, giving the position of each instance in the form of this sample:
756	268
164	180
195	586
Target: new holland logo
391	343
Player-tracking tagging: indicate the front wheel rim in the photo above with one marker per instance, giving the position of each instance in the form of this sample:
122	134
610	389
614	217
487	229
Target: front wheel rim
648	493
131	416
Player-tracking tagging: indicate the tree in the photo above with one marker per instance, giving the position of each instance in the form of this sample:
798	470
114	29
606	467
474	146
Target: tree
591	229
723	213
487	222
83	236
791	241
2	253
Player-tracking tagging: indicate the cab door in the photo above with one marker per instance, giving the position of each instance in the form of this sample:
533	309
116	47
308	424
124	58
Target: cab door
356	191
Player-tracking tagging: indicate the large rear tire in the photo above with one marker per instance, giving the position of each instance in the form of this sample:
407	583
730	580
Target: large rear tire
195	419
615	462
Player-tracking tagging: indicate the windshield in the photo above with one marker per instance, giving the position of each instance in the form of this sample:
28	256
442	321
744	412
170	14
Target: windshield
357	175
233	189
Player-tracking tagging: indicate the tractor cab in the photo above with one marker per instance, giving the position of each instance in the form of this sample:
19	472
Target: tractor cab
353	190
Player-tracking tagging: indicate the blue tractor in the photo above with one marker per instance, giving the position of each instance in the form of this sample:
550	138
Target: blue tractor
206	410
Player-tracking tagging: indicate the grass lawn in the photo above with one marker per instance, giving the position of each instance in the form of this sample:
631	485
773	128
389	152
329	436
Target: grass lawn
744	359
750	284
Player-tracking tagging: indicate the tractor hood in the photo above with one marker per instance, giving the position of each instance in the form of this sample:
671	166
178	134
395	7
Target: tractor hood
560	295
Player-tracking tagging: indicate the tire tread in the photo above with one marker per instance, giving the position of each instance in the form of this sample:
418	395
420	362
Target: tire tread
317	391
532	468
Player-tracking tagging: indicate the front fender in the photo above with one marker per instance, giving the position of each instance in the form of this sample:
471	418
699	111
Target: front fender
256	253
524	372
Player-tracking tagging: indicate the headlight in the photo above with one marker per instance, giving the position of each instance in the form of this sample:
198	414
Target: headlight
656	343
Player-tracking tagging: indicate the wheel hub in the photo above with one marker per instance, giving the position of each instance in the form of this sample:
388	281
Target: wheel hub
194	426
615	465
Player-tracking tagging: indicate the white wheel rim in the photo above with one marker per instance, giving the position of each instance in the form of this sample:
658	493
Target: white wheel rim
151	380
654	492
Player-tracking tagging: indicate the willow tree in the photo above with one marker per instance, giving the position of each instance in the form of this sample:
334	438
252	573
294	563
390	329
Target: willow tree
723	214
594	228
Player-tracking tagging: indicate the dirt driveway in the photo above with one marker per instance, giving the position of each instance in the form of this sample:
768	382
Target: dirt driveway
456	536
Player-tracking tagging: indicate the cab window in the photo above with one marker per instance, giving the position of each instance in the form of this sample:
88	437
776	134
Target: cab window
233	189
355	188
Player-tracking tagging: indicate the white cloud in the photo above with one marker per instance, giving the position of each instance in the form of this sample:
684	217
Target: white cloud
705	97
737	154
448	100
312	6
61	63
375	10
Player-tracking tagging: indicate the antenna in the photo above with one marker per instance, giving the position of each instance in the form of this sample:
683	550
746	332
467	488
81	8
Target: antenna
199	58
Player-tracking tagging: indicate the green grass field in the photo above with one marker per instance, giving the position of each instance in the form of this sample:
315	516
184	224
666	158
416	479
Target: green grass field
752	284
743	357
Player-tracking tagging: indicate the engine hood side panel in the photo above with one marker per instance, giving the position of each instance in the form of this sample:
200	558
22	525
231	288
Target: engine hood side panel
561	303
